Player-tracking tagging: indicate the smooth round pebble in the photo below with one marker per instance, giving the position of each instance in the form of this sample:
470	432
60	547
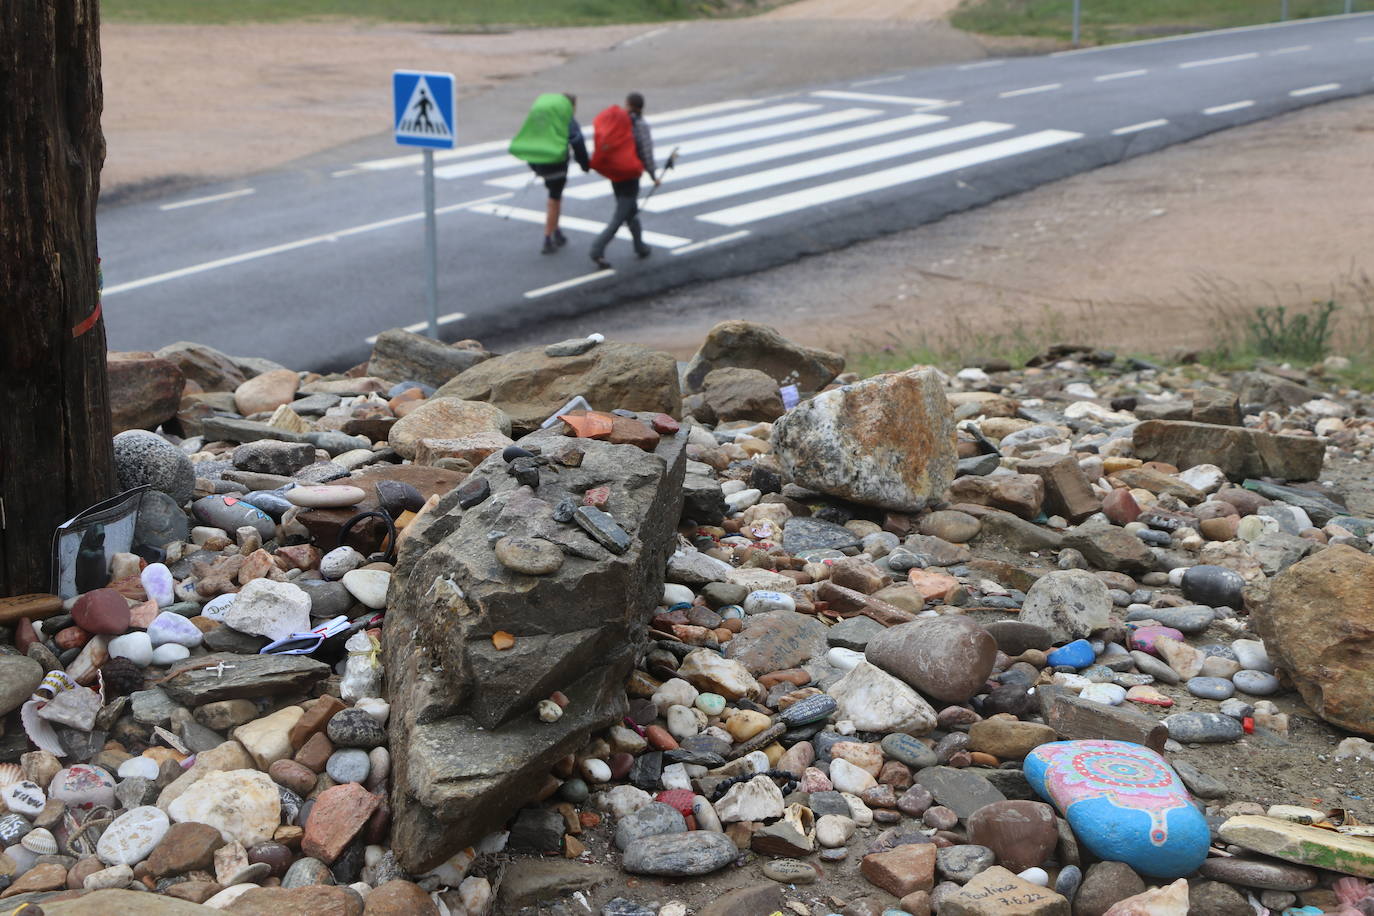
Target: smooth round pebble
325	497
138	766
1255	683
340	560
1211	688
844	659
368	585
1035	876
712	704
214	608
1107	694
136	647
348	764
169	654
762	602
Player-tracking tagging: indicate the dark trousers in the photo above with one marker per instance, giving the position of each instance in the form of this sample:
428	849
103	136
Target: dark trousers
626	214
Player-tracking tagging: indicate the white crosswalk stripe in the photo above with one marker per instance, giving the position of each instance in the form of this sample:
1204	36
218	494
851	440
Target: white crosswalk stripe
887	178
787	174
689	170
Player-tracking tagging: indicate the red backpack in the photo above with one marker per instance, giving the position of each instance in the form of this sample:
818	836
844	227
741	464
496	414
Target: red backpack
615	155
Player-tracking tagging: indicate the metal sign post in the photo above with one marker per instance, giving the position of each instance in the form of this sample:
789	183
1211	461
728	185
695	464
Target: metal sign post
1077	15
423	107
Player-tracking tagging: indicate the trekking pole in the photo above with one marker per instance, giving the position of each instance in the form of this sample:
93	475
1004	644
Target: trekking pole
519	198
667	167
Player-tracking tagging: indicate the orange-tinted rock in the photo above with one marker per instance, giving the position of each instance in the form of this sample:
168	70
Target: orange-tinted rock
902	870
103	610
314	720
339	814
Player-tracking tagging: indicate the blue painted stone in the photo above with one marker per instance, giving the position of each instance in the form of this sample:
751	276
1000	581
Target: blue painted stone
1124	803
1077	654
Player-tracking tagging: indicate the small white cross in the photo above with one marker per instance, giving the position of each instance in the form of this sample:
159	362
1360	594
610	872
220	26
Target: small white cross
220	668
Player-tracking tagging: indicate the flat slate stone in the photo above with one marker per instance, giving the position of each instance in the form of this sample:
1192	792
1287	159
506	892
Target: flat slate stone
800	533
854	632
243	676
962	791
1301	844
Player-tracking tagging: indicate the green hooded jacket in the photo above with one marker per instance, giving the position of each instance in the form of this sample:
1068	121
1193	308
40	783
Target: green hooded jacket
543	138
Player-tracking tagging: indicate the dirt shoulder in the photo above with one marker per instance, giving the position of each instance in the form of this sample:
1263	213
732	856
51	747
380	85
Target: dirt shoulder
189	101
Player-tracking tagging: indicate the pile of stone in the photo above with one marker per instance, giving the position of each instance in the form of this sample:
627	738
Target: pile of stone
910	646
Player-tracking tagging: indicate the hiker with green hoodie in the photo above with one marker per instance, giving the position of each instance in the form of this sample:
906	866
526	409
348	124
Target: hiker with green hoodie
549	131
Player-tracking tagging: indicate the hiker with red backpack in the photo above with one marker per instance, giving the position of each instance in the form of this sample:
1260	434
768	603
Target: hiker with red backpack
624	152
543	141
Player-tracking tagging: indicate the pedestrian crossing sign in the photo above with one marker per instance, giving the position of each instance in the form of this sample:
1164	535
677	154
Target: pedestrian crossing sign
424	105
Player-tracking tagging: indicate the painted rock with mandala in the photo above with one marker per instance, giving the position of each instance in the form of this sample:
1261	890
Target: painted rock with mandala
1124	802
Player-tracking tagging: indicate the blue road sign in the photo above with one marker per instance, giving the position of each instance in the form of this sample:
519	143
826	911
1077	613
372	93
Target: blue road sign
424	105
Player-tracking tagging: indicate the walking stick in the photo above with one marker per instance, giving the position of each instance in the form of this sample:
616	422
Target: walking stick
667	167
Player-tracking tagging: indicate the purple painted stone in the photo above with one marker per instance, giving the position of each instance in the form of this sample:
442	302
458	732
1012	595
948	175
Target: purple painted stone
1147	638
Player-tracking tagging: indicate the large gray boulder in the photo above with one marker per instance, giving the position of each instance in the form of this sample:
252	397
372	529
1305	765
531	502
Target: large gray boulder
469	748
403	356
887	441
529	385
747	345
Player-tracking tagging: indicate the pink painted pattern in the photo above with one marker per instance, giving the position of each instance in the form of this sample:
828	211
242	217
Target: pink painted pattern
1128	779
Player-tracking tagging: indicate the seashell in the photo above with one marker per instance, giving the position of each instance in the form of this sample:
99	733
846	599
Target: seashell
10	773
12	827
39	841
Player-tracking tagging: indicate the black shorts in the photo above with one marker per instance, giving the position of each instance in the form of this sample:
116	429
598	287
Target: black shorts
555	175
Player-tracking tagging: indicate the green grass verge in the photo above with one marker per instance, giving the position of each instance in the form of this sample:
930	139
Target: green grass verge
460	14
1106	21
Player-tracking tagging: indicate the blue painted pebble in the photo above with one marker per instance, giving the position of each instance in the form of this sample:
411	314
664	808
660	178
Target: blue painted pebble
1124	803
1077	654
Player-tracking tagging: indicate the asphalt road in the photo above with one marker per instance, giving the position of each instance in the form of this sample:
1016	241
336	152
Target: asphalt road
304	264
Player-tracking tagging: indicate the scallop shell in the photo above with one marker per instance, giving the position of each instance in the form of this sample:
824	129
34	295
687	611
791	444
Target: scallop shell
10	773
39	841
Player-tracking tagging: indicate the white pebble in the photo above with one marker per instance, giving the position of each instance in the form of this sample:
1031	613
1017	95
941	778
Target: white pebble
676	594
761	602
844	659
594	770
1035	876
138	766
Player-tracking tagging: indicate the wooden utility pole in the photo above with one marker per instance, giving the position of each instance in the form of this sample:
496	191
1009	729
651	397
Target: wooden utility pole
54	408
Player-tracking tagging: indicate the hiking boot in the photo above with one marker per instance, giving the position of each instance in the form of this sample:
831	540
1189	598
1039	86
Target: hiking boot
643	251
559	238
549	247
601	262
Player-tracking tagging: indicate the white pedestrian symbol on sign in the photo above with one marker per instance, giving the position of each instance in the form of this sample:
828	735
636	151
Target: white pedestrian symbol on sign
422	116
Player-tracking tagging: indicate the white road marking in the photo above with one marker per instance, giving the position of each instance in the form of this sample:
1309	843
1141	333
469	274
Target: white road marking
410	159
1030	90
1213	61
877	82
981	65
578	224
734	138
1136	128
798	147
707	243
1293	50
568	284
1365	38
196	201
887	178
421	326
734	120
682	114
344	173
1231	106
1313	90
289	246
629	42
1121	75
478	166
843	96
812	168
